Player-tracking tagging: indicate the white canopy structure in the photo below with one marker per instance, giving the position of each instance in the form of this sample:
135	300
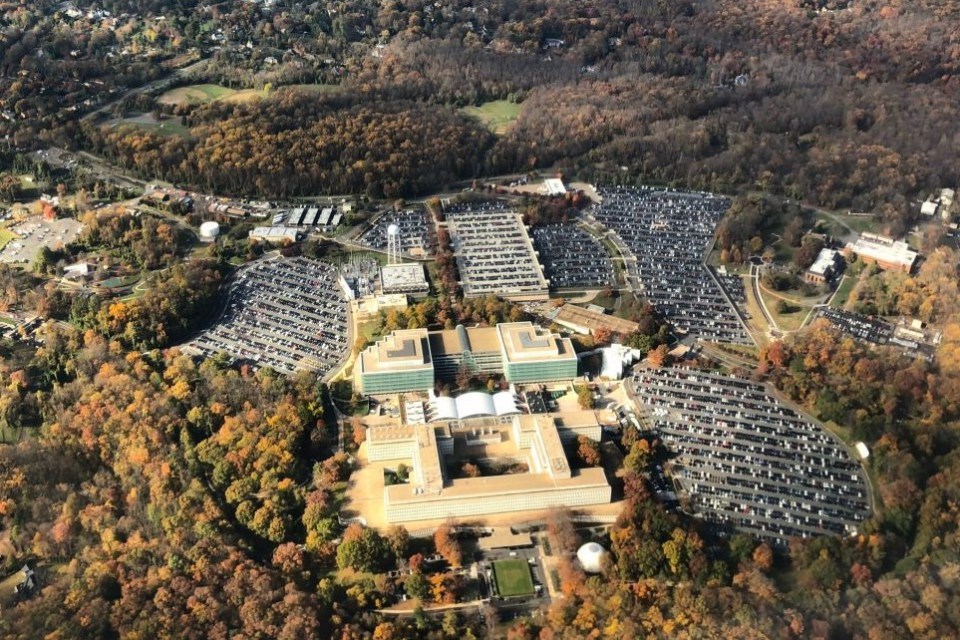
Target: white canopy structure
473	405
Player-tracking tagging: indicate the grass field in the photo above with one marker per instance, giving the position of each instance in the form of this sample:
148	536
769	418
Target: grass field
790	320
844	291
6	236
146	122
196	94
496	116
513	578
245	95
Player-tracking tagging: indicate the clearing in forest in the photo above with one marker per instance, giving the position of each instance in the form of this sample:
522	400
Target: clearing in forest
497	115
196	94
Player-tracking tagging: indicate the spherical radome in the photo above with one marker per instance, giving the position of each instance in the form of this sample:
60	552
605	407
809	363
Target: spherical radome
393	230
591	557
209	229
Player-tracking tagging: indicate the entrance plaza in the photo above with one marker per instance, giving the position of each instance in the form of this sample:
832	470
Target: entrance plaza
434	451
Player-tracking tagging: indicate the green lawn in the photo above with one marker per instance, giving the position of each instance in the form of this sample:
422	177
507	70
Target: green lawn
497	115
196	94
245	95
513	578
792	319
165	128
843	291
6	236
857	223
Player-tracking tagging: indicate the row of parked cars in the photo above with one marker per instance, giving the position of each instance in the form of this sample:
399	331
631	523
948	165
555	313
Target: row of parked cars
747	460
669	233
289	314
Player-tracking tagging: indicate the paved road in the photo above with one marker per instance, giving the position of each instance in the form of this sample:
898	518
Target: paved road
755	282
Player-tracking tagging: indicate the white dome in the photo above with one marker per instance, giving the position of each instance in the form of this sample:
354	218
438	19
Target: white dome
209	229
393	230
591	557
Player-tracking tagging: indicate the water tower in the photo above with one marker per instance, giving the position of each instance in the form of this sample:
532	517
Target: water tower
393	244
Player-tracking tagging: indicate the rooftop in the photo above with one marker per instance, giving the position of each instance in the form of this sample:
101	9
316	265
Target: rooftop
466	488
271	233
826	260
403	277
883	249
480	340
406	349
524	341
554	187
592	320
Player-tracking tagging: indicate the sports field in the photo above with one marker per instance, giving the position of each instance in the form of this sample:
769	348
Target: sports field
497	115
513	578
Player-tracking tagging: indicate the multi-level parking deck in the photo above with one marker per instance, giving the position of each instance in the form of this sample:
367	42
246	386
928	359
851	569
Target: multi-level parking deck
748	461
571	257
668	234
287	314
417	235
494	253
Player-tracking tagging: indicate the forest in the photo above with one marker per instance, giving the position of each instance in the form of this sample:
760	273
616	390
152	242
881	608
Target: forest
842	105
294	146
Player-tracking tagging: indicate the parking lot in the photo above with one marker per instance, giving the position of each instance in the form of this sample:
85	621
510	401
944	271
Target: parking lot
37	232
668	234
733	285
494	253
289	314
866	328
417	235
748	461
571	257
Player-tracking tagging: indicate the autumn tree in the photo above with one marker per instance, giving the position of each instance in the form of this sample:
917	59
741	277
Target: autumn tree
448	545
588	451
363	550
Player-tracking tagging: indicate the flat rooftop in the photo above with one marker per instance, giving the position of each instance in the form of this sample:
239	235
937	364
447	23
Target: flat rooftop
524	341
405	350
593	320
391	432
883	249
403	276
520	483
480	340
826	260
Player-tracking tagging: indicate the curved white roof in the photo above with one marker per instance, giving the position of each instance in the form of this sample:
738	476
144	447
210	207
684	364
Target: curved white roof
475	403
444	408
591	557
210	228
505	403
